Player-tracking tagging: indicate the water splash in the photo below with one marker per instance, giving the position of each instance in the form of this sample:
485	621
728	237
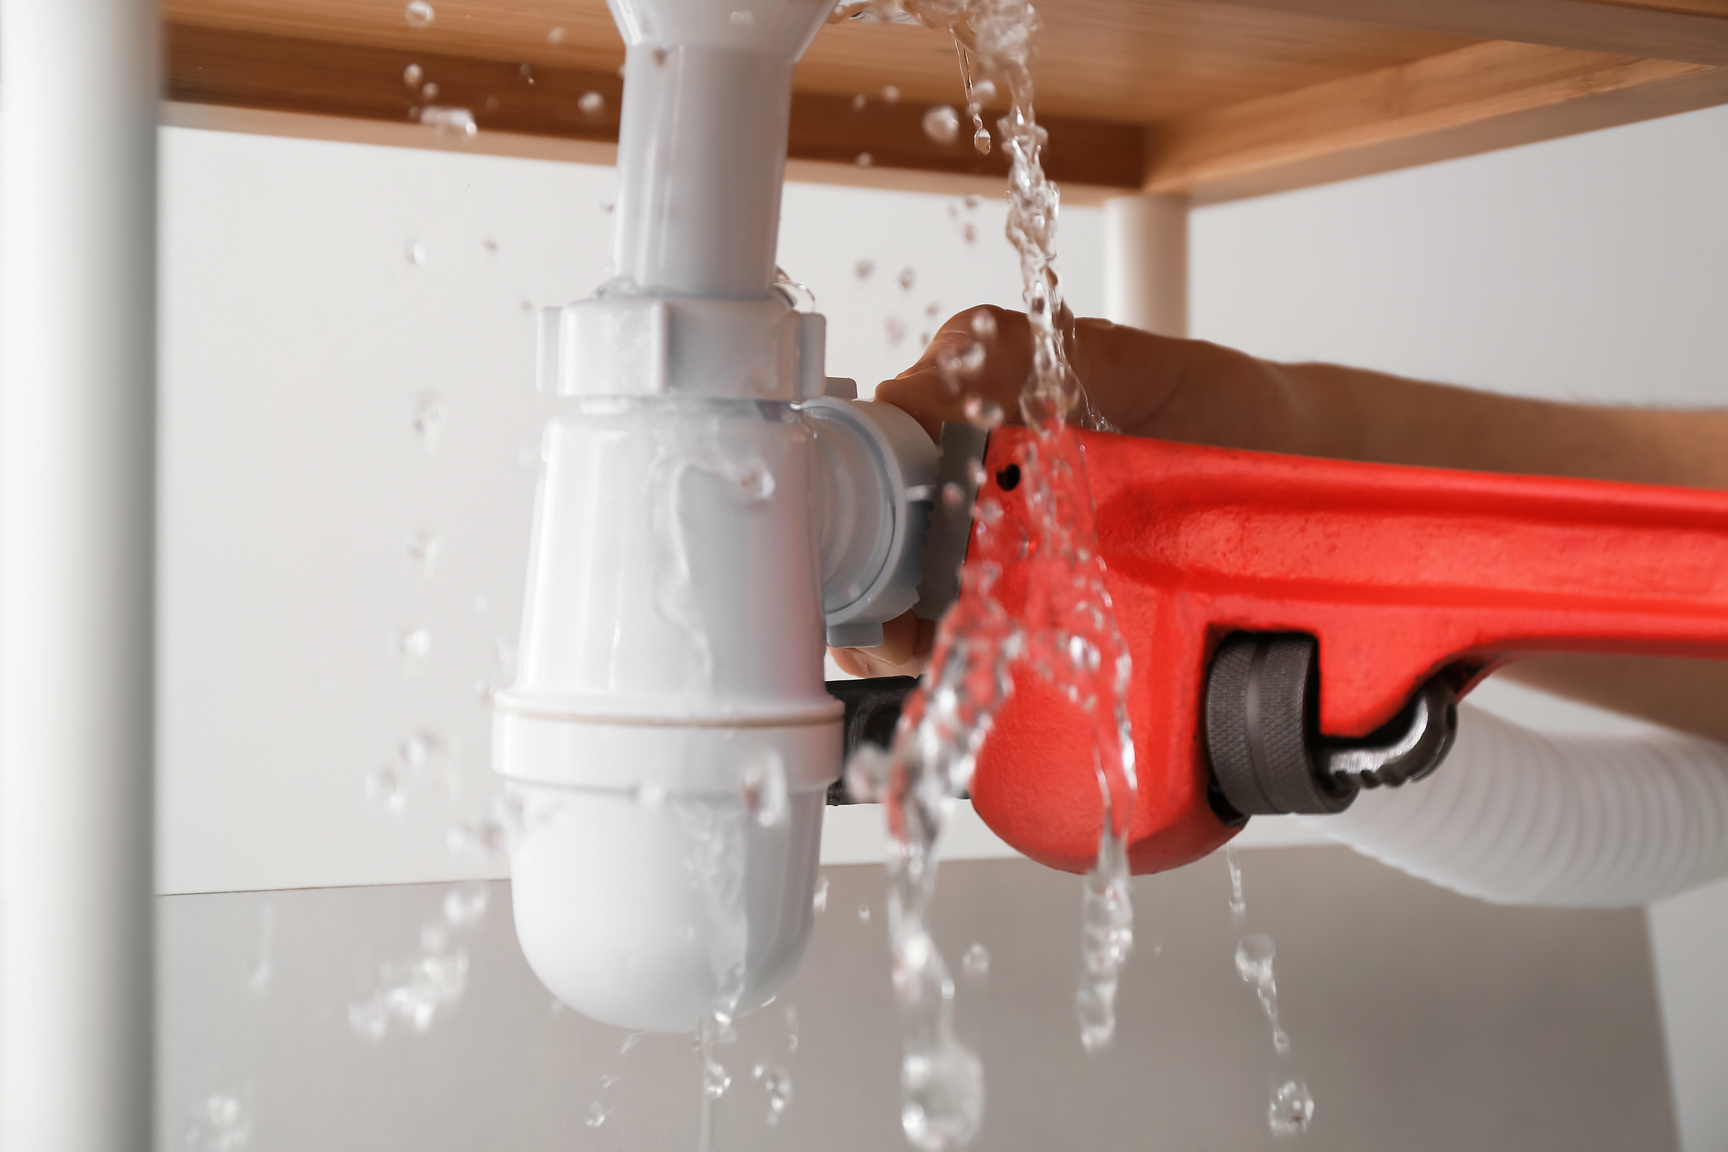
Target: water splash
1238	907
1254	955
219	1123
1291	1105
1290	1110
412	992
942	124
448	123
413	646
465	904
777	1085
1066	633
763	787
384	788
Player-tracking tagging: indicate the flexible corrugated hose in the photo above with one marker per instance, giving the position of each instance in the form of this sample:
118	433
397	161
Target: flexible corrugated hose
1521	817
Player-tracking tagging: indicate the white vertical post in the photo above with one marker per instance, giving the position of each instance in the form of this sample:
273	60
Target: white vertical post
1146	262
78	110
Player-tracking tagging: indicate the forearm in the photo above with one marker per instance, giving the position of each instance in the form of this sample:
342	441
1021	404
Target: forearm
1353	414
1358	415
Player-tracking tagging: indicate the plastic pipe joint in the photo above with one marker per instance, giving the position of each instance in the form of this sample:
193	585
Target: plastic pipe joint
705	521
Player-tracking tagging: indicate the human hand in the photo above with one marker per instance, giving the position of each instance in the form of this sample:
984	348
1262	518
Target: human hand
1144	385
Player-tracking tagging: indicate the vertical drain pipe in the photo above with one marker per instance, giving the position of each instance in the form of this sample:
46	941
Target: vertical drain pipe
78	109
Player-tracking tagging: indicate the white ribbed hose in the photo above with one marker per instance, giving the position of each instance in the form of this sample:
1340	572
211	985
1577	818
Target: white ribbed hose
1521	817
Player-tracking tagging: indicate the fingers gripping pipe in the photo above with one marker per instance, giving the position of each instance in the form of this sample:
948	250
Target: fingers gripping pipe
1521	817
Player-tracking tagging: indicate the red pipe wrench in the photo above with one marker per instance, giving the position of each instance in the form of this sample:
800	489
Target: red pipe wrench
1299	628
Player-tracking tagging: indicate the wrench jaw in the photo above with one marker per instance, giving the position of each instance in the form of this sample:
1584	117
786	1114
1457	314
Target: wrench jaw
1266	753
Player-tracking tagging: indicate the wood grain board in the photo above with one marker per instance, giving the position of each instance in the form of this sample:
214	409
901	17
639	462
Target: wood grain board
1217	100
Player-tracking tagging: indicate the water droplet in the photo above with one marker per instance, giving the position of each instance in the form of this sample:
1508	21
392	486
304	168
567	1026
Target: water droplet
971	201
891	95
592	105
450	123
819	902
415	253
956	367
421	749
630	1042
907	278
792	1029
384	788
422	545
489	244
932	309
764	787
527	73
1238	906
596	1115
419	14
219	1123
975	962
607	1079
429	414
1291	1109
859	101
943	1086
491	103
715	1079
555	36
1254	959
428	91
984	90
864	268
866	771
953	496
896	329
864	913
981	140
969	232
864	160
777	1083
743	19
984	324
413	75
982	412
413	646
434	937
466	903
798	295
942	124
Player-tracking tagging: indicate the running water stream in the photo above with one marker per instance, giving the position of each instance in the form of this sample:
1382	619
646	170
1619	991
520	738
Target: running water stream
1066	632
